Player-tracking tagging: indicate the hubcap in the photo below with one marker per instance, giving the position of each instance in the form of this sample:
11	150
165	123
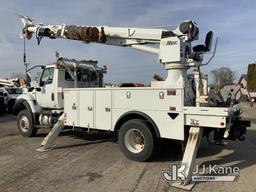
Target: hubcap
134	140
24	124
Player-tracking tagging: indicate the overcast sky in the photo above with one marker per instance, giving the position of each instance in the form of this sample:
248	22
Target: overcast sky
232	21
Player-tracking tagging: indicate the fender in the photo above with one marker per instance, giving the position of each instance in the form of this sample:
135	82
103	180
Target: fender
26	96
26	101
136	114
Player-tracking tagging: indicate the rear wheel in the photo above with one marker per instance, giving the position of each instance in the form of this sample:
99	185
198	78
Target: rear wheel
136	140
25	124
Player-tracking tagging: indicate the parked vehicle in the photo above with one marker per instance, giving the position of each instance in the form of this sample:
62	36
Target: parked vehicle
2	105
10	95
175	108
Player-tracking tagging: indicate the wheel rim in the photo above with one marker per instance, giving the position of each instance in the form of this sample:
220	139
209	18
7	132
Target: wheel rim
24	123
134	140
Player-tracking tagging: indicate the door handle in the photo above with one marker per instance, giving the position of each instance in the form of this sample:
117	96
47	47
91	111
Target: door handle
89	108
52	96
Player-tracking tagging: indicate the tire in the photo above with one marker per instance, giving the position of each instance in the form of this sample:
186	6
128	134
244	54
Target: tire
2	111
25	124
136	141
10	106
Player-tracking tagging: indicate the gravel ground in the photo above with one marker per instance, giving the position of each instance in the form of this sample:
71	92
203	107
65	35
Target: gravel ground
93	162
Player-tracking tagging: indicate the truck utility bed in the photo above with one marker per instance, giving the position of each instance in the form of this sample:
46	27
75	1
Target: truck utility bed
101	108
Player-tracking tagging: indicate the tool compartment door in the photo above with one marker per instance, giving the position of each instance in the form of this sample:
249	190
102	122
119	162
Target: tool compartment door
164	106
103	109
214	117
86	108
71	108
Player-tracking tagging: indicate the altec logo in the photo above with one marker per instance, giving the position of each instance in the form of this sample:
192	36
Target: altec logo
171	43
206	173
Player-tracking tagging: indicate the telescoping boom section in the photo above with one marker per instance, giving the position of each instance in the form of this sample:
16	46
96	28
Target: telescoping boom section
178	107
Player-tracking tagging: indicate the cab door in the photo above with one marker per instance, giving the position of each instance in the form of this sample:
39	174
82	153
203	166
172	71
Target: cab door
45	93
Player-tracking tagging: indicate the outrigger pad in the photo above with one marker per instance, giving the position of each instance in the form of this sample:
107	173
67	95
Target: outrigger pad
42	149
187	187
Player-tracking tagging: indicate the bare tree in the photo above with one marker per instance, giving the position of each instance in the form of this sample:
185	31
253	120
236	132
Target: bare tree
222	76
18	75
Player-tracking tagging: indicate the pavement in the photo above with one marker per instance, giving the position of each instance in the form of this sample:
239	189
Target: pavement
84	162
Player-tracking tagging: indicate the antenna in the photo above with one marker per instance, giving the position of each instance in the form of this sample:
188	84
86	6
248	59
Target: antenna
25	55
25	61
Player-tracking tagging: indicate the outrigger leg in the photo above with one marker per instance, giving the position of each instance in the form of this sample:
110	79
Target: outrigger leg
188	160
49	140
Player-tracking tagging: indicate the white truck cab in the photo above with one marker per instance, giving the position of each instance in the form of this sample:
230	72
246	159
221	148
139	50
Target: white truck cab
41	106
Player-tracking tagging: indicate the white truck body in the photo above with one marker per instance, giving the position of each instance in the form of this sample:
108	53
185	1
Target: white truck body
101	108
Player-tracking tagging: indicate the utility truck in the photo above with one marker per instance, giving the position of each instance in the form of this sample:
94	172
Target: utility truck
175	108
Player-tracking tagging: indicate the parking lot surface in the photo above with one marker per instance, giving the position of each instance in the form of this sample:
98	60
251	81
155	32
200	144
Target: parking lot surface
93	162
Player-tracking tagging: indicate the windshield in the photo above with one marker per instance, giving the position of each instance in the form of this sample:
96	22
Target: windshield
14	91
47	76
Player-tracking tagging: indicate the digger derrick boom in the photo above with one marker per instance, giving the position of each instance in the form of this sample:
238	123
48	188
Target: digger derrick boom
119	36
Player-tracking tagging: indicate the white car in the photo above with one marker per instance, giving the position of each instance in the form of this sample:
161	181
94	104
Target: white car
2	105
10	94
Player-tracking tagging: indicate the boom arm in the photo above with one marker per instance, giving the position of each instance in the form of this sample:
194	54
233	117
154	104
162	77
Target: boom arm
175	45
120	36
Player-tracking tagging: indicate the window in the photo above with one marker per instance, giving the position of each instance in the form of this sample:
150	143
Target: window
47	76
83	75
68	76
14	90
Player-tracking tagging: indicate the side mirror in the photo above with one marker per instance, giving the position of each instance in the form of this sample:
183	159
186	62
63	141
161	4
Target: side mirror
30	89
38	89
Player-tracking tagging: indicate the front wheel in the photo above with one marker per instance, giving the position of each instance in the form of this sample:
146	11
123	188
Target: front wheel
25	124
10	105
136	140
